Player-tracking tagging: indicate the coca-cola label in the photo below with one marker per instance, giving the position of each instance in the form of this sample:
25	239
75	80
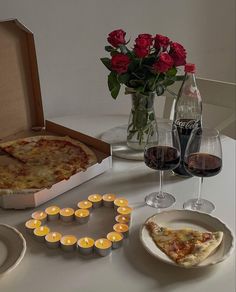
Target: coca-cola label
186	124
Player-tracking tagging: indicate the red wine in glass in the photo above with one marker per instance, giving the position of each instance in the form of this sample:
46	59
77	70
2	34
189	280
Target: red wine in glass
203	164
203	158
162	152
162	157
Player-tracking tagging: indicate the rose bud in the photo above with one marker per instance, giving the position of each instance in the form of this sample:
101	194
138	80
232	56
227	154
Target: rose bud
116	38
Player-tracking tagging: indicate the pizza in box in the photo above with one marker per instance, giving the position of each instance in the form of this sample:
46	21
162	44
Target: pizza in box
41	161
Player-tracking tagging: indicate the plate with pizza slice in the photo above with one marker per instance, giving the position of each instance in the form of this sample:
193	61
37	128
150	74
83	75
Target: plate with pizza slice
187	239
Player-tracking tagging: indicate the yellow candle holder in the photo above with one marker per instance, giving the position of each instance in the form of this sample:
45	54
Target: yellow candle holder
116	239
68	242
41	232
124	210
82	216
108	200
96	200
85	245
102	247
39	215
120	202
67	214
122	228
53	239
53	213
85	204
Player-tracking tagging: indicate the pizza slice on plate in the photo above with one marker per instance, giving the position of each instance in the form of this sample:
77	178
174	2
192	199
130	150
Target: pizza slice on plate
186	247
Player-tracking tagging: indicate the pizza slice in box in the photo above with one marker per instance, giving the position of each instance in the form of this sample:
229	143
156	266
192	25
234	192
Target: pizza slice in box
41	161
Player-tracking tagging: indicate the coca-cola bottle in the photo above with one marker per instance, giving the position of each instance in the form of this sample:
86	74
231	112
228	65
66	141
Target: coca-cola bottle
188	112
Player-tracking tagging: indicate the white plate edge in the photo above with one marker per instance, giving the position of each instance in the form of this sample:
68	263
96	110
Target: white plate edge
22	251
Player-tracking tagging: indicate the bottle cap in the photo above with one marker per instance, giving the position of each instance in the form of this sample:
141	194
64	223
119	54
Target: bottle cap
190	68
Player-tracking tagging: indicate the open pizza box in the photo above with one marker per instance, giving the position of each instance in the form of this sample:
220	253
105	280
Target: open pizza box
21	113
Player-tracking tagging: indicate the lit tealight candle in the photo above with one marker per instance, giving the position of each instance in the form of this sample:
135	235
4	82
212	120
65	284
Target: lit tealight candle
102	247
96	200
124	210
39	215
108	200
82	216
120	202
85	245
53	213
67	214
85	205
41	232
31	224
116	239
122	228
53	239
68	242
125	219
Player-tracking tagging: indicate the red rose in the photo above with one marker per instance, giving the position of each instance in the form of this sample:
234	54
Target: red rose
161	42
143	40
120	63
116	37
141	52
178	53
164	63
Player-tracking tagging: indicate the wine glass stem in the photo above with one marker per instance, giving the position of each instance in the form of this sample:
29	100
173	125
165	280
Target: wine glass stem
160	193
198	202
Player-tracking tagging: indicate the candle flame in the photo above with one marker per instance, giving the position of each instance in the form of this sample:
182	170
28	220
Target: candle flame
67	210
95	197
41	214
121	201
123	218
123	209
68	241
86	240
81	214
113	238
54	235
101	241
35	221
109	197
120	227
86	203
53	209
41	228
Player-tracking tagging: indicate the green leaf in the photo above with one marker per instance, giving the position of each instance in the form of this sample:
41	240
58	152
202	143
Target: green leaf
179	78
109	49
172	72
168	82
123	78
113	84
106	62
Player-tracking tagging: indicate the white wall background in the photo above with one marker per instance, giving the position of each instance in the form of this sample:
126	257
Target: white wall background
70	36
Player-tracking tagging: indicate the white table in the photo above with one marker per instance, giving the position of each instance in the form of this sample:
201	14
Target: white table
130	268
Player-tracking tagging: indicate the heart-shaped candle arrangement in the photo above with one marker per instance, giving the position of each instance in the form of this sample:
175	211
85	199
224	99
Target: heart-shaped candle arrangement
86	245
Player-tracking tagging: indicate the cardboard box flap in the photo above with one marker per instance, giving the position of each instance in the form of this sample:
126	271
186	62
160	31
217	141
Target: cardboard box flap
20	96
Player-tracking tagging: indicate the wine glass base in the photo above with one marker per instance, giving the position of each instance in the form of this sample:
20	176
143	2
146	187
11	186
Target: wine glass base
155	201
204	205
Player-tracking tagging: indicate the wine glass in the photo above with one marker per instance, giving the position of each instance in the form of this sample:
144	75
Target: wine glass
203	158
162	152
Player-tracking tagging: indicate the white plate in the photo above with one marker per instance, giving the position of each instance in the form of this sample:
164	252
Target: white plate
199	221
12	248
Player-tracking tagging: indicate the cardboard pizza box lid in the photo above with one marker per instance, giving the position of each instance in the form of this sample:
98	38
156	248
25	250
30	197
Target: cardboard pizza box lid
20	95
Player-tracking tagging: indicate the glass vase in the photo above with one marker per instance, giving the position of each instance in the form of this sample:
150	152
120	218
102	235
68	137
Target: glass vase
141	116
